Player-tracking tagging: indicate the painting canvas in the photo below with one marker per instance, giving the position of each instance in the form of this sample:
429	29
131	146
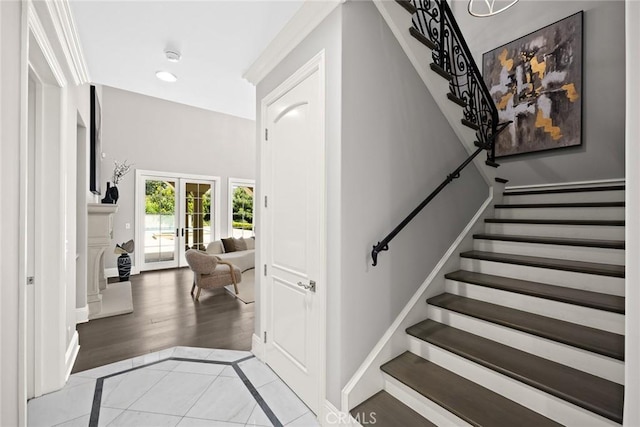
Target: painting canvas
536	82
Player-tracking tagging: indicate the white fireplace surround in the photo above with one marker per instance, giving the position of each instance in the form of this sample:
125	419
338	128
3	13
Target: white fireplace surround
103	300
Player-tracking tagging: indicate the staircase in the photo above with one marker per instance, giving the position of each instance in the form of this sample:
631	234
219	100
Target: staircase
529	330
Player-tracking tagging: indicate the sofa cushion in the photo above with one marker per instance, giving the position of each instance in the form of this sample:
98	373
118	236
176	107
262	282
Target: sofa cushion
251	243
229	244
240	244
215	247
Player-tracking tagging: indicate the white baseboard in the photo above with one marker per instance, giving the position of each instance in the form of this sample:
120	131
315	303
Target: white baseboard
368	379
71	354
257	347
574	184
82	314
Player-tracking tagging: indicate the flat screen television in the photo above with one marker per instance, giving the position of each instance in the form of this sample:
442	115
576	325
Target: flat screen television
95	152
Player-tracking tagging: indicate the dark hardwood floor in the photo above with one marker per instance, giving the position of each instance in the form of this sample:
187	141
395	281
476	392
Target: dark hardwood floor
165	315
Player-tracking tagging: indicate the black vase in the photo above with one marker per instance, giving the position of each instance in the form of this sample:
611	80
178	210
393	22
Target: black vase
107	194
124	267
113	193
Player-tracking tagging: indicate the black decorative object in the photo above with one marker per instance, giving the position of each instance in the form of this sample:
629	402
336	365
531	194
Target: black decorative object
95	143
124	267
111	194
124	261
107	195
114	193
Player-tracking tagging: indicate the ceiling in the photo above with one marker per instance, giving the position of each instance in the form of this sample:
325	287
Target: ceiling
123	43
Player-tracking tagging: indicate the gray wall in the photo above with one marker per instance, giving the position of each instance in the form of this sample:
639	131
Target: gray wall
397	146
602	154
165	136
388	147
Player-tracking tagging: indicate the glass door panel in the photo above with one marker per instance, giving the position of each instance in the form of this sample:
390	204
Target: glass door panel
197	214
160	226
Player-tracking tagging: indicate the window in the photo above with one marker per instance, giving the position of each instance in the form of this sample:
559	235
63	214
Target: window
241	204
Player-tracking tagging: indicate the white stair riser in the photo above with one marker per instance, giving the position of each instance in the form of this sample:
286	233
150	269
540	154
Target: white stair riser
551	230
591	317
585	196
602	213
583	360
576	253
537	400
588	282
425	407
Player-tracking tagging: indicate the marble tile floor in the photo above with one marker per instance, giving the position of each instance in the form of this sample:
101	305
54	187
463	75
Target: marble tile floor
180	386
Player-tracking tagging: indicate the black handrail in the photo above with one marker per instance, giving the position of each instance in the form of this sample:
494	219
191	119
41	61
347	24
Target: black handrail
384	244
434	20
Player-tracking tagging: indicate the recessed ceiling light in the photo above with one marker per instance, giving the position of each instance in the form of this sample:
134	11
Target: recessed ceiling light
172	55
166	76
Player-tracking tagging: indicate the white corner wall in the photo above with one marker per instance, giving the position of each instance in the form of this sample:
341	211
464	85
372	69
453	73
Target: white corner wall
12	408
601	155
159	135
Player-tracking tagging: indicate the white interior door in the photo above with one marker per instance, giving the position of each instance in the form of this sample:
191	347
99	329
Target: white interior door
293	165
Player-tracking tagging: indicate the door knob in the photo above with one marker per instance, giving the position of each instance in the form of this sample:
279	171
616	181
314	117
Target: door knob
310	287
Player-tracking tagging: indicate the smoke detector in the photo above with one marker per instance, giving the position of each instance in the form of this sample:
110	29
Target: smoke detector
172	55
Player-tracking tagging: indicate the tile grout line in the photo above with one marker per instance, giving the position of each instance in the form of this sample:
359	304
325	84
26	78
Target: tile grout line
256	395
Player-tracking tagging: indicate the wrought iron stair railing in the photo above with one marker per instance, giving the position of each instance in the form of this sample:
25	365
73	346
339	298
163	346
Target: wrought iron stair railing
452	59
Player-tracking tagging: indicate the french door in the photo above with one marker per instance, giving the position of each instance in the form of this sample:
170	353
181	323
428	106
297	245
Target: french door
175	213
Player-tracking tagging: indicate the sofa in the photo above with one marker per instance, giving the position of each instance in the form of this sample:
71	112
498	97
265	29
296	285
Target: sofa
239	252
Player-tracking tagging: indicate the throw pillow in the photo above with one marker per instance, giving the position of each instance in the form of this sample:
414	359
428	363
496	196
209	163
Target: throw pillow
251	243
229	244
240	244
215	247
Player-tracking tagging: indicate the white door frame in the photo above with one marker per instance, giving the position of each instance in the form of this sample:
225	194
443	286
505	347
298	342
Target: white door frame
316	63
139	212
49	307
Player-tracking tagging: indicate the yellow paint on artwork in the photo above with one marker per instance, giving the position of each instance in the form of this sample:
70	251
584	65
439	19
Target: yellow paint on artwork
538	67
572	93
547	124
506	63
504	101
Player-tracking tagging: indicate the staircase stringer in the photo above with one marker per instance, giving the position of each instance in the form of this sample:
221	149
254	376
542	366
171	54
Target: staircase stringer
399	21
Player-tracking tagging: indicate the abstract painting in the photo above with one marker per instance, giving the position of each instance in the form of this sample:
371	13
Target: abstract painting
536	82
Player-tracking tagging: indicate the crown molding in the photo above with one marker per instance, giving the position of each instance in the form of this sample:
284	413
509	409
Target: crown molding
40	36
310	15
65	28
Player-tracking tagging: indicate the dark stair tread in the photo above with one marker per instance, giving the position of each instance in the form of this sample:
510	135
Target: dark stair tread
388	412
441	71
456	100
564	190
561	205
422	38
551	263
580	388
556	221
606	302
563	241
473	403
590	339
501	180
470	124
407	5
